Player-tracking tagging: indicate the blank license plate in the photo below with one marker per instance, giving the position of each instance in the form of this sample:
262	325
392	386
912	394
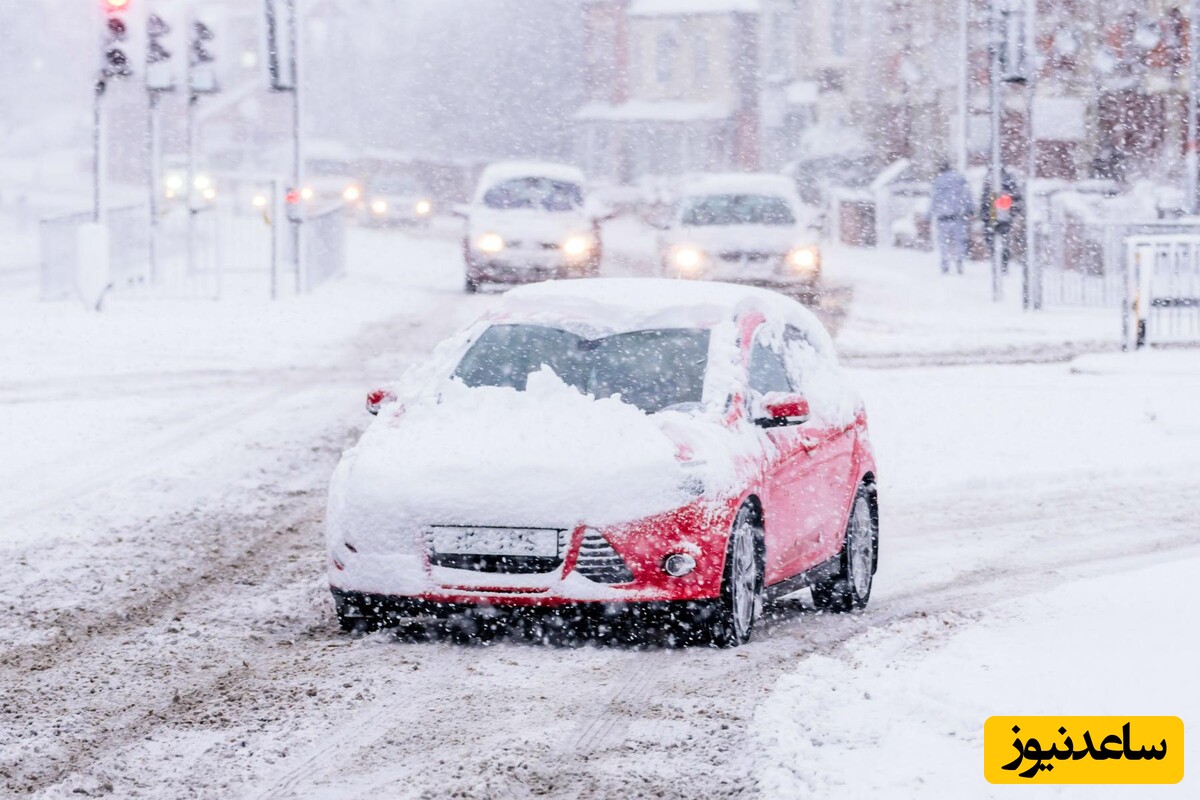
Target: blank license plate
536	542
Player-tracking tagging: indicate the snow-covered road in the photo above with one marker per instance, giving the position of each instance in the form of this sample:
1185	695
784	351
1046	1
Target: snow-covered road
169	633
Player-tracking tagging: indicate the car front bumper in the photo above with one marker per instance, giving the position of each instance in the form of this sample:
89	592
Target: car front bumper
411	580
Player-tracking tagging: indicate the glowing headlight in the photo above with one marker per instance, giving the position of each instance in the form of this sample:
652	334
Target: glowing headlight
307	193
174	182
491	243
210	193
577	246
687	259
351	194
379	207
259	201
423	207
803	258
202	182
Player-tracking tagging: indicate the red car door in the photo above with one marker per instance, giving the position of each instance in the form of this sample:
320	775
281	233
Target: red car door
787	496
826	488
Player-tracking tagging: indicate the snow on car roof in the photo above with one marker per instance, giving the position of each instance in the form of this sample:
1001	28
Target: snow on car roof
741	183
507	170
627	304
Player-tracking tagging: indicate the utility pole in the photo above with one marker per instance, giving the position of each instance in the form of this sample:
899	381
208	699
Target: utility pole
994	43
964	79
1191	179
283	67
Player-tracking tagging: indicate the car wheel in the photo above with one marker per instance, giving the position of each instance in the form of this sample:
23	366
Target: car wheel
731	621
471	286
850	589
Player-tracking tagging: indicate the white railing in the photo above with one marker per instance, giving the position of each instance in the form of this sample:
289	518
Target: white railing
1162	291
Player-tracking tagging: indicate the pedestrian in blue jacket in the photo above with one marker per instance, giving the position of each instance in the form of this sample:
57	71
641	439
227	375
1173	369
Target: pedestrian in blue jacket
951	206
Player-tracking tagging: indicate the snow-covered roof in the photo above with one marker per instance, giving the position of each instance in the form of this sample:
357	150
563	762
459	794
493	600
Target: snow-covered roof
657	111
740	183
657	8
507	170
627	304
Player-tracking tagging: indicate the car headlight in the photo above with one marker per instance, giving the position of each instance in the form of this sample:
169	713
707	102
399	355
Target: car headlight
491	243
688	260
804	259
351	194
379	207
577	246
423	207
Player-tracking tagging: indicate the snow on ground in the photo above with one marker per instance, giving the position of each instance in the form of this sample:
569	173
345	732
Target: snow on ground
904	306
169	632
1071	490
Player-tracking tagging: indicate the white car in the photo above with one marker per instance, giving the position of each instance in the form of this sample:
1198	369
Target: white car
747	228
530	222
396	202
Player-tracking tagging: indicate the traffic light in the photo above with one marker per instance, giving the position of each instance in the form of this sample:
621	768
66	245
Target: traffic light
116	61
201	35
1002	212
200	60
158	58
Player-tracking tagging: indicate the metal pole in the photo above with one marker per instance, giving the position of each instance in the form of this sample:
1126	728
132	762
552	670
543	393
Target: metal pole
155	133
1192	189
1031	81
297	216
99	155
964	77
995	38
190	190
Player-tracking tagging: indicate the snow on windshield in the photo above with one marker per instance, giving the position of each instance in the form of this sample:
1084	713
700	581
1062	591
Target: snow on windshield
737	209
541	194
651	369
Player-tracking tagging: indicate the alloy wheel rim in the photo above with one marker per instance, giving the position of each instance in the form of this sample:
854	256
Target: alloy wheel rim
862	549
744	580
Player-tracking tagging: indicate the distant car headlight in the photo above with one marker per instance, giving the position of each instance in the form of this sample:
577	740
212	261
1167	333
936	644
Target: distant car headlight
351	194
491	243
804	259
423	207
688	260
379	207
577	246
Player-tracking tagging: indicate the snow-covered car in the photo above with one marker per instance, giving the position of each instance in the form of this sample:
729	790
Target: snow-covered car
392	201
750	228
612	442
530	222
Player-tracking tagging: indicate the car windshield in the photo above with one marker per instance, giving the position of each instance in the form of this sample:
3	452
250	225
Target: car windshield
652	370
737	209
537	193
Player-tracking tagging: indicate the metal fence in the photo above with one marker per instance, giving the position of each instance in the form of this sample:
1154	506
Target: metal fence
1085	263
128	244
1163	289
237	241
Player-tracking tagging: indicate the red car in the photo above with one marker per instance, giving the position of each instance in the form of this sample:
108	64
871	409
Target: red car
685	445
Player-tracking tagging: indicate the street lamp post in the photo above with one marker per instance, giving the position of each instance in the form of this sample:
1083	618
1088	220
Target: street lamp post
1191	179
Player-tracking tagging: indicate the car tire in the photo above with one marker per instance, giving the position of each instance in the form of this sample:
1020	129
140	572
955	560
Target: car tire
470	285
850	589
730	619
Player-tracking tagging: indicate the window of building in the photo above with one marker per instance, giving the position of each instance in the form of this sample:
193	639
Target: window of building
664	57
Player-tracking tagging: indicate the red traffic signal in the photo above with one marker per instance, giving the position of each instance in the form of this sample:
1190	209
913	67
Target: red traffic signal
292	197
1004	202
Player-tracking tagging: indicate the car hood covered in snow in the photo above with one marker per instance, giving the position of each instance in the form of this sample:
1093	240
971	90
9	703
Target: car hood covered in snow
546	457
527	225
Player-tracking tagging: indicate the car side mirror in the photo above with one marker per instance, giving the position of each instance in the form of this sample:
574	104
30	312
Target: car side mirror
783	409
377	398
460	210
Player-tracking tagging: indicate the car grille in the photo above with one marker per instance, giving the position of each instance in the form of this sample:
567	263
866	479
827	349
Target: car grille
747	255
599	562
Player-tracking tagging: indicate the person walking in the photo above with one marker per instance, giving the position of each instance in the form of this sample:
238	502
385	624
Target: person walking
950	204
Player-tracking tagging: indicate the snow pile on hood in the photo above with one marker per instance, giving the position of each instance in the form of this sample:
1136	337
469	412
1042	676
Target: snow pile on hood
545	457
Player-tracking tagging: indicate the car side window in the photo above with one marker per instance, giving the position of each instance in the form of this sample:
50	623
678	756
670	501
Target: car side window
768	373
799	354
